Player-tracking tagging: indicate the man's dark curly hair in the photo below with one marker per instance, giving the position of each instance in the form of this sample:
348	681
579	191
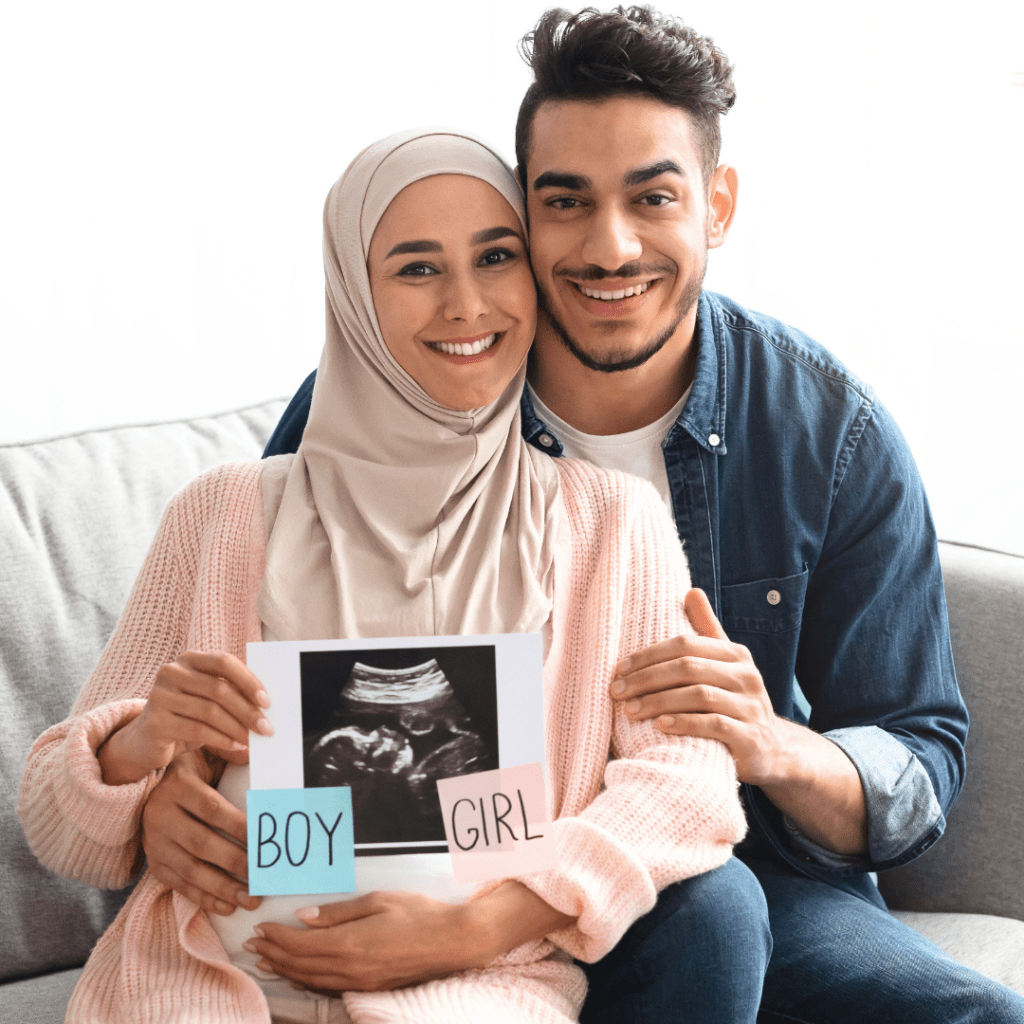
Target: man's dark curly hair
628	51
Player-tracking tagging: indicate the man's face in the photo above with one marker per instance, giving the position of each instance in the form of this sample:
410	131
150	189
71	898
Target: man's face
618	227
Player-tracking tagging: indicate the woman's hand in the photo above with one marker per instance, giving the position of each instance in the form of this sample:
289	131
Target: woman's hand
197	700
388	939
379	941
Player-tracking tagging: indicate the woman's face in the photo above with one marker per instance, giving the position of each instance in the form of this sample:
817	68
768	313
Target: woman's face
452	287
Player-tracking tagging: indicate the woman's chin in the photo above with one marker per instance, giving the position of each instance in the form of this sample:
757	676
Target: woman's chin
456	392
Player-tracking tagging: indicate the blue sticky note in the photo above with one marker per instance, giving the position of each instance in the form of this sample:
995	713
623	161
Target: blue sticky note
300	841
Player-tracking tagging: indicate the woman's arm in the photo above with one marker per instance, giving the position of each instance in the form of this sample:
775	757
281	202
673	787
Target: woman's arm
75	823
87	778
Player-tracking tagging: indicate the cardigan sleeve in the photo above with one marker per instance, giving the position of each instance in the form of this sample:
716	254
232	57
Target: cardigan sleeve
75	824
669	806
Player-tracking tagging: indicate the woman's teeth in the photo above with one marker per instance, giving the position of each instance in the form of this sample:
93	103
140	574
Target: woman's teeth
622	293
462	348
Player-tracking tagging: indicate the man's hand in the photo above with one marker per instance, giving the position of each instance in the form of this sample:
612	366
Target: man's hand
182	847
708	686
379	941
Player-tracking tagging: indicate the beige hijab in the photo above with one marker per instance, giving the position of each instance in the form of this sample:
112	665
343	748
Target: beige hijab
399	517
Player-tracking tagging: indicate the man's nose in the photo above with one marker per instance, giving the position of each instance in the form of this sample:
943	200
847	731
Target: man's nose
464	298
611	240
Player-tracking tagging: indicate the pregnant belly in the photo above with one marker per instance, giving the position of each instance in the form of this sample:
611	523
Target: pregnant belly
426	873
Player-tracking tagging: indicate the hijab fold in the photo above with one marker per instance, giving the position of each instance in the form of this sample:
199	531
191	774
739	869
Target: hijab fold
399	517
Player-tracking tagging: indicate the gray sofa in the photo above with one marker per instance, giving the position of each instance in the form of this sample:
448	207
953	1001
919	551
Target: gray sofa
76	517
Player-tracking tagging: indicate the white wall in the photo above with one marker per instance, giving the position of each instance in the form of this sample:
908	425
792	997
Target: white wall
166	165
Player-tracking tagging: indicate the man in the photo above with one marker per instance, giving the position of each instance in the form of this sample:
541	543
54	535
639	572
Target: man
806	528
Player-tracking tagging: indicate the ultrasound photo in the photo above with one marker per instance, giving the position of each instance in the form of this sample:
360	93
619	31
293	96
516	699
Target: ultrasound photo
389	723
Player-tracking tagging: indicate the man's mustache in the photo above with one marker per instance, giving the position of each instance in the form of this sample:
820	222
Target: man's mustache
592	272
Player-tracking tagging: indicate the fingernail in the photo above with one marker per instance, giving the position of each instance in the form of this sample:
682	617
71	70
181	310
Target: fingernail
235	745
242	896
224	909
267	967
308	913
632	706
623	666
260	932
619	687
264	728
667	721
263	698
249	946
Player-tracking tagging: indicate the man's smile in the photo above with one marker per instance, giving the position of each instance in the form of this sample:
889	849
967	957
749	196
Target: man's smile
615	298
610	294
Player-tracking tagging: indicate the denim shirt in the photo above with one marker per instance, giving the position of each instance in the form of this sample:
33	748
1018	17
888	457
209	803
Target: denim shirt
804	519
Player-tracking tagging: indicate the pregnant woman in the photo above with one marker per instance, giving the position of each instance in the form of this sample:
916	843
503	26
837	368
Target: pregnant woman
412	508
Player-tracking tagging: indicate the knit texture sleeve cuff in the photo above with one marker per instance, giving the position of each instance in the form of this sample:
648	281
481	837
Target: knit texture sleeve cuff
668	812
76	824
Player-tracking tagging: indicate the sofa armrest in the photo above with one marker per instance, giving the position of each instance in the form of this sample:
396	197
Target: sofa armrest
977	866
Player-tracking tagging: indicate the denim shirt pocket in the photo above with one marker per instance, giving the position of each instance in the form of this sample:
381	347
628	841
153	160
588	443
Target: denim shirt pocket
771	605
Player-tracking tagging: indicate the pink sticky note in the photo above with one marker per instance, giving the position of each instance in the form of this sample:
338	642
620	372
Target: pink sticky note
496	823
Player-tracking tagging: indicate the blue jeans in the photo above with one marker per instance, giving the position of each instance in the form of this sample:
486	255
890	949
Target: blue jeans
757	943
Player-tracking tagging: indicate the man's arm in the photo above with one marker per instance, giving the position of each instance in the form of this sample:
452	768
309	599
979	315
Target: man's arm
182	822
708	686
875	662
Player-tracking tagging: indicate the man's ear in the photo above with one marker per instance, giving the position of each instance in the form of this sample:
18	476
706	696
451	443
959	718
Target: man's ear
722	191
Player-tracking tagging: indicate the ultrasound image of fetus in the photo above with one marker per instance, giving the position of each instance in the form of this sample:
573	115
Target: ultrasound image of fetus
397	731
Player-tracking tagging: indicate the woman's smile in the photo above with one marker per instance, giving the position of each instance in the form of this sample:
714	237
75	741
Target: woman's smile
467	350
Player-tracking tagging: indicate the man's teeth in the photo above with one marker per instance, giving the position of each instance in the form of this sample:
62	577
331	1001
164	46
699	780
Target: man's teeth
622	293
462	348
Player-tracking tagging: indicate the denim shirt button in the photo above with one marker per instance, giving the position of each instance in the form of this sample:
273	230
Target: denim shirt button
774	597
714	440
546	440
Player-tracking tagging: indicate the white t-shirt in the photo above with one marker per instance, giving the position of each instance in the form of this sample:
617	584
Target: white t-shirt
637	451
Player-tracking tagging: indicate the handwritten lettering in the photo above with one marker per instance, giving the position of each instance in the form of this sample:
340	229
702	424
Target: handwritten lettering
269	841
467	836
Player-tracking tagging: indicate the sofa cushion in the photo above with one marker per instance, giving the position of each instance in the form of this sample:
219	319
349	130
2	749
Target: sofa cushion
977	866
42	1000
993	946
77	515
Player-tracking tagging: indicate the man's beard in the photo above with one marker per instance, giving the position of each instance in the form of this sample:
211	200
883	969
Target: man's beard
618	361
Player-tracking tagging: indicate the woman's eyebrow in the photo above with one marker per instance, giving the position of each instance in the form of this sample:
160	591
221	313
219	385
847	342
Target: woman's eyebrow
423	245
493	234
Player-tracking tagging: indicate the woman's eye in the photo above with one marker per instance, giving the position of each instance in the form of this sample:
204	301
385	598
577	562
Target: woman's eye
495	257
416	270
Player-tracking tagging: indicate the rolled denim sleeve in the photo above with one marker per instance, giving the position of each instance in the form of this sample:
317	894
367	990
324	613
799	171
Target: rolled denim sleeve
902	807
875	657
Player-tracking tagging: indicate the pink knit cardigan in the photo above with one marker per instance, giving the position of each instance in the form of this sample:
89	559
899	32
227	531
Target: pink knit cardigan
661	810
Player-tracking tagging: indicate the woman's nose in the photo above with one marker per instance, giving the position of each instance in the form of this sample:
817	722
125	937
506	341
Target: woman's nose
464	298
611	240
